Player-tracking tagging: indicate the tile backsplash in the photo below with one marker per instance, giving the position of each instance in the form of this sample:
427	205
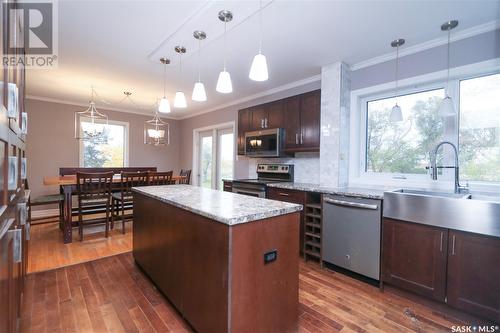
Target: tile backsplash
306	166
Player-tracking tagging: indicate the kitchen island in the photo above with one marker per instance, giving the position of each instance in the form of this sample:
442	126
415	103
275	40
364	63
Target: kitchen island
227	262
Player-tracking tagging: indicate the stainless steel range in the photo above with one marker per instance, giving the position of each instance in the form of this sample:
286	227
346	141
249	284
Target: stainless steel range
266	174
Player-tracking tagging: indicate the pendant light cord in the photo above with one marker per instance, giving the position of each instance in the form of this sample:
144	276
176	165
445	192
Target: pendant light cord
260	25
199	60
397	73
448	63
164	79
180	66
225	48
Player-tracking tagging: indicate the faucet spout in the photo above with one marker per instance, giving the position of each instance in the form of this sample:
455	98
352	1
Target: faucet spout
434	167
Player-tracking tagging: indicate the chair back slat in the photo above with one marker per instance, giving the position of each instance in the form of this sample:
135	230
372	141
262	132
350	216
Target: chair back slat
132	179
93	186
160	178
186	174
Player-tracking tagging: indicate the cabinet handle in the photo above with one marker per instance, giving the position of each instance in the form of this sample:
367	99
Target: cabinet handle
262	123
301	138
441	243
284	194
16	239
453	246
296	138
22	213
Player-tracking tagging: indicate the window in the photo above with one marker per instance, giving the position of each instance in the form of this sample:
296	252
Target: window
109	150
480	128
403	147
382	151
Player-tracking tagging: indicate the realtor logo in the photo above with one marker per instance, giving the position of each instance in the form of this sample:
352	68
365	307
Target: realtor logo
32	34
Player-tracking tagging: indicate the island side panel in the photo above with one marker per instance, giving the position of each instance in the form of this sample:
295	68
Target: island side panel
186	256
265	297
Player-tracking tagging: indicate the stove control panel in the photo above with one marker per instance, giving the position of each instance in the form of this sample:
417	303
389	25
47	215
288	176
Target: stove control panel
274	168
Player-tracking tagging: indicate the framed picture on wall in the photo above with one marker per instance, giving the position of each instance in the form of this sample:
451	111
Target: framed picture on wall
24	123
12	181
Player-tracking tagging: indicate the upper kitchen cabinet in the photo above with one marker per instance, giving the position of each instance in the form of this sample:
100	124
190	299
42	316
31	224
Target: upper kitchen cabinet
298	115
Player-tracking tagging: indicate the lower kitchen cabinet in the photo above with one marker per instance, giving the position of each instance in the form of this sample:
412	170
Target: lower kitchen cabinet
227	186
292	196
414	258
474	274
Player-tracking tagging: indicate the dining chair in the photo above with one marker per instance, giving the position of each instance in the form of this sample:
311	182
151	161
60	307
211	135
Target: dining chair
45	200
93	190
186	177
160	178
123	199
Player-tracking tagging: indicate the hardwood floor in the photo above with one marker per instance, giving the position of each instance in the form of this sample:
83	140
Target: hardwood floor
47	250
113	295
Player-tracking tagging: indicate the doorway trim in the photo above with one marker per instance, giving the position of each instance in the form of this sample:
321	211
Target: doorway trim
196	140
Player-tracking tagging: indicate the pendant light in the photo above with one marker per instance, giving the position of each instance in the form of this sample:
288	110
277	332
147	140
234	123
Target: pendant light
164	106
199	94
156	131
258	70
447	108
90	124
396	114
224	84
180	98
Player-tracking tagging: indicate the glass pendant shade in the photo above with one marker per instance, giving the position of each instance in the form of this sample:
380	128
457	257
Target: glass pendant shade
258	71
156	132
180	100
199	94
224	84
396	114
447	108
164	106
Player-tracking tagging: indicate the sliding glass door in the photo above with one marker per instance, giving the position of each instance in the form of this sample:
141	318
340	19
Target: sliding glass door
215	156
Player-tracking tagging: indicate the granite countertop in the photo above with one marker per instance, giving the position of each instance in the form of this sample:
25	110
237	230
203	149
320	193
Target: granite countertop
225	207
368	193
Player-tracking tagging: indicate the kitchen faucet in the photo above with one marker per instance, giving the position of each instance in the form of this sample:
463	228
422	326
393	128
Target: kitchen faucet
434	167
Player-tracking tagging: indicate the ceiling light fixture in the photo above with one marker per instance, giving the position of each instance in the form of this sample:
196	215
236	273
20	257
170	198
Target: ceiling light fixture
224	84
164	106
156	131
258	70
180	98
396	114
89	124
447	108
199	94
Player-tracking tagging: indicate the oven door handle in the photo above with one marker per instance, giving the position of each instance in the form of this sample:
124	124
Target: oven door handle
350	204
238	191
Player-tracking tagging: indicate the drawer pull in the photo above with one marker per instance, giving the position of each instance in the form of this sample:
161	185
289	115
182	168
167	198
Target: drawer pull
284	194
350	204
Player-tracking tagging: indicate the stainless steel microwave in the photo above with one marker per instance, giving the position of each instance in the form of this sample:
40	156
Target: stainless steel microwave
265	143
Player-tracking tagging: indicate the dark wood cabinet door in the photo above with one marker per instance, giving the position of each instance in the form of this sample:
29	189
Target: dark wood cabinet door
292	196
259	114
474	274
310	105
292	122
414	258
243	126
275	115
227	186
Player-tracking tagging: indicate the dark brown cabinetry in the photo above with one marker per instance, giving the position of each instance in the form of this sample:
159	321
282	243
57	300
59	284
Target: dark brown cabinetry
456	267
14	232
292	196
227	186
414	258
474	274
298	115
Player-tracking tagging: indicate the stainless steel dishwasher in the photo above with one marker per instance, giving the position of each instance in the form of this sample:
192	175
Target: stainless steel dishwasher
351	234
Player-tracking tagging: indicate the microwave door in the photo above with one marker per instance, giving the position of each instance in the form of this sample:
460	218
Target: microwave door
262	145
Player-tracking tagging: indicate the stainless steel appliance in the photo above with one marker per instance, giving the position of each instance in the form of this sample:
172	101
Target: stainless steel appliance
265	143
351	234
266	174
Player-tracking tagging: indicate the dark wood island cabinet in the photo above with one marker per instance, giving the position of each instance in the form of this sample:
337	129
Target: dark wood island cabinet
227	262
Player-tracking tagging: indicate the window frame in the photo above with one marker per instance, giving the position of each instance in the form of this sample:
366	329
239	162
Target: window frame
437	80
125	142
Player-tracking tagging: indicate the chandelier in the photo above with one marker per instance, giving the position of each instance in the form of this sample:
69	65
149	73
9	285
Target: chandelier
156	131
90	124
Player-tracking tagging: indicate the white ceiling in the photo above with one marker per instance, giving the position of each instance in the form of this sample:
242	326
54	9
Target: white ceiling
115	45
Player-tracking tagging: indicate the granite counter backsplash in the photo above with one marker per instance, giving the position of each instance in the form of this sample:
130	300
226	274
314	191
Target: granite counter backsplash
368	193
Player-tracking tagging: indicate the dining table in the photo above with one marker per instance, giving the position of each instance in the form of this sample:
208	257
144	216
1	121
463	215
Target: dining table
67	184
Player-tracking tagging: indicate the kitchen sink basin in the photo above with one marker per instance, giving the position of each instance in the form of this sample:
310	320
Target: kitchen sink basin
476	212
433	194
